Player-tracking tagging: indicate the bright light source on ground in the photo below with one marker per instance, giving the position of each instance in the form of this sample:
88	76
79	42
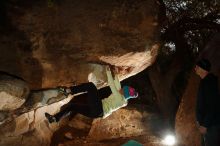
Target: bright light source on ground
169	140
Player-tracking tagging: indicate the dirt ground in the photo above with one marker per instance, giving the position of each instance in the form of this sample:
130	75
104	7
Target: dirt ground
79	137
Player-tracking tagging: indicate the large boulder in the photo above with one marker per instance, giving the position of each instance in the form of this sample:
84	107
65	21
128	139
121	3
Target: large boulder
186	129
52	43
65	41
30	127
123	123
13	92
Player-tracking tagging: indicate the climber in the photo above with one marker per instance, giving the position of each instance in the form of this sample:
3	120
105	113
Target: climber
207	107
96	107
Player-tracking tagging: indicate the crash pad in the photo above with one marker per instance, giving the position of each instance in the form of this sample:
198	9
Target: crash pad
132	143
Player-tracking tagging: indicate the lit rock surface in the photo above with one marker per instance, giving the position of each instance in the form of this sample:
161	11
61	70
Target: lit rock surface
13	92
115	130
44	97
124	123
53	43
186	130
30	127
59	43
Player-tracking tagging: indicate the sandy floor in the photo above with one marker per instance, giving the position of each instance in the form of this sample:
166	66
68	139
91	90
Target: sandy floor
79	137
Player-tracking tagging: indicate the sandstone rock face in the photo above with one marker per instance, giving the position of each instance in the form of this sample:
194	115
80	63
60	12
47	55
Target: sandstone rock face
64	41
44	97
52	43
123	123
186	130
13	92
30	127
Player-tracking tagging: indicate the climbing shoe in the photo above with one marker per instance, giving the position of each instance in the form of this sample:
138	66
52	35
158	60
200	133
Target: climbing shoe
50	118
64	90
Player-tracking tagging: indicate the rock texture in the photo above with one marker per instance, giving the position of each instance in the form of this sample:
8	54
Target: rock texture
13	92
43	97
115	130
30	127
124	123
50	43
186	130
